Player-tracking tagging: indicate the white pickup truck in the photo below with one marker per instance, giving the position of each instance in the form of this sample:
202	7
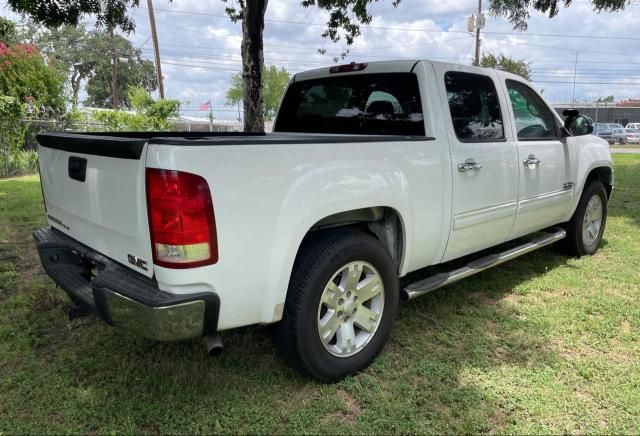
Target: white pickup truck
373	171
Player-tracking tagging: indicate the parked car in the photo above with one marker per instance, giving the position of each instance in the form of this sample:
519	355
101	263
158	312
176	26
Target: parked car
633	126
633	136
619	136
615	126
373	171
603	131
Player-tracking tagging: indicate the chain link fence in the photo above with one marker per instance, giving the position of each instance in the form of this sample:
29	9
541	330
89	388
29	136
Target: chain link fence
18	159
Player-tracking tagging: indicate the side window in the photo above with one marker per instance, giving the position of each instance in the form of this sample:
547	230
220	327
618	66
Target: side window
474	106
534	120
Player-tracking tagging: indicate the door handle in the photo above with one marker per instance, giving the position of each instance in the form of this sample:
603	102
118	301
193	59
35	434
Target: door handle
531	161
469	165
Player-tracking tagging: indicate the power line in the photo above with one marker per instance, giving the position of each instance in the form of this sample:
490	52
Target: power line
404	29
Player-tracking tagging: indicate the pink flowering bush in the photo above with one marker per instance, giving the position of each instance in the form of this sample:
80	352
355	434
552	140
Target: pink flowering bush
25	75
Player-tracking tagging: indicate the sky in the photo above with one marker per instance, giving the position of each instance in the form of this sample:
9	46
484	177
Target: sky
200	46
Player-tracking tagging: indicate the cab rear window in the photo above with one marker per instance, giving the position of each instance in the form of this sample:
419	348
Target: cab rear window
370	104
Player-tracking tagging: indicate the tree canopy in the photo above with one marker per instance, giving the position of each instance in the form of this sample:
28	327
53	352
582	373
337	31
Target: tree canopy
274	82
518	11
504	63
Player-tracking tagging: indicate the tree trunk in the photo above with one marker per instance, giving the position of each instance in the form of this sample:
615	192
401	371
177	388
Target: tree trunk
75	88
252	62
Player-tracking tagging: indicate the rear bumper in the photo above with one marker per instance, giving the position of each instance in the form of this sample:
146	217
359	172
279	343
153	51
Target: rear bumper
121	297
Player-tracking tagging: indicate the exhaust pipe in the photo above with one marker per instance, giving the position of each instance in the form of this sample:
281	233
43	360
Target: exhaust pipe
213	344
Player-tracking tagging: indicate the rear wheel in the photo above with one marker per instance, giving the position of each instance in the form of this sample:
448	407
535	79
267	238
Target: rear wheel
585	230
340	306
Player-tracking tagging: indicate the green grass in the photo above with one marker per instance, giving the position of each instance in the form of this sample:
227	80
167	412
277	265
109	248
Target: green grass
544	344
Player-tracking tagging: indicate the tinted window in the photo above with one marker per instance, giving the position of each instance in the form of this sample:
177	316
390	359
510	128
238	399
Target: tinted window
377	104
474	106
534	120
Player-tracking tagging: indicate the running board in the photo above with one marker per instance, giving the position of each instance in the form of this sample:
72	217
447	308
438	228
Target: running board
437	281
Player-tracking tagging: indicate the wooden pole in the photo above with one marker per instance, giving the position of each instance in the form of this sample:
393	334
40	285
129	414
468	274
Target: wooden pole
114	71
156	48
476	61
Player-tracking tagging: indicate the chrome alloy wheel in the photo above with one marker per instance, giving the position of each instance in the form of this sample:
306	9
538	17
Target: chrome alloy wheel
592	221
350	309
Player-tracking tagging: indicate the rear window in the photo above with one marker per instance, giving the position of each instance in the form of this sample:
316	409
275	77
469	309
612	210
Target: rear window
365	104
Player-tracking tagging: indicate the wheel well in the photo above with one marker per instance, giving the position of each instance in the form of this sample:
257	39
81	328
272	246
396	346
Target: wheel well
604	175
382	222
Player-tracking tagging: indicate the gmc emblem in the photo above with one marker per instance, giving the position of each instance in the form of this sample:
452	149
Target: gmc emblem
136	261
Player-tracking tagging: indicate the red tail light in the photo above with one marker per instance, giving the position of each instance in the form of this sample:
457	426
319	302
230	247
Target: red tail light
181	219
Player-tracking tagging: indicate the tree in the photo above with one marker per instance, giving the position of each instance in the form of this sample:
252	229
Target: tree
607	99
504	63
517	11
345	19
274	82
134	72
70	48
8	32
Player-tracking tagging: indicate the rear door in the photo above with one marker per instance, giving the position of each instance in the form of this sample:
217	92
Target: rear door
546	188
483	157
94	190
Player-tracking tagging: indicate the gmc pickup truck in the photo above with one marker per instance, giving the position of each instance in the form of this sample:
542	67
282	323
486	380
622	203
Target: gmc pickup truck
372	171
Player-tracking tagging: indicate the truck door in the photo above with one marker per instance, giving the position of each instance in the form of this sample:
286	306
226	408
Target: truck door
484	160
546	188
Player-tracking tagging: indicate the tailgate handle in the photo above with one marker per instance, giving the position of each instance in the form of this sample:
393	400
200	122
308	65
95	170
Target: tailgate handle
77	168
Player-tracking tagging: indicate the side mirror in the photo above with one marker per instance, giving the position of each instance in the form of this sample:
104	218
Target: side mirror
579	125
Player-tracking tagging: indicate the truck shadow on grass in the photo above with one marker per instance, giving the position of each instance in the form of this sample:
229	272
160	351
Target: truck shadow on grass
418	384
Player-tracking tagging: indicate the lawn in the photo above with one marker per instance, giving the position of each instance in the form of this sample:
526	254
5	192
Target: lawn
544	344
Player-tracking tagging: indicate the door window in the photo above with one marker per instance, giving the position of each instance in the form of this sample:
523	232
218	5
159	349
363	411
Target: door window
474	106
534	120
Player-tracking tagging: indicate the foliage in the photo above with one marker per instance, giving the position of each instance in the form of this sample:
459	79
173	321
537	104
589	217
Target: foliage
504	63
517	11
70	47
11	133
8	32
25	76
274	82
149	114
607	99
55	13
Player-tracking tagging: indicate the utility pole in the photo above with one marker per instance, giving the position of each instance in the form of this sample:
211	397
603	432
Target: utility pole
479	25
156	48
114	71
575	73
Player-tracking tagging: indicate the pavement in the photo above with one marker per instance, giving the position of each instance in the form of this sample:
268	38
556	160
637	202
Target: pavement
635	150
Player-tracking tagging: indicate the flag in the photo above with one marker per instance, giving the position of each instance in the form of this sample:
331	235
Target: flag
205	106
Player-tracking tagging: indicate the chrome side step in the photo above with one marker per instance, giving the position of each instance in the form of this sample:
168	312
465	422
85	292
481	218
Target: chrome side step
432	283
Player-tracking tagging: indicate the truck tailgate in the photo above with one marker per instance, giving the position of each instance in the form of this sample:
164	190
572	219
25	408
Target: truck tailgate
94	191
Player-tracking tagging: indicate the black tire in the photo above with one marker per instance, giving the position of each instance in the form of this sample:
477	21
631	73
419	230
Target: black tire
621	141
574	243
297	337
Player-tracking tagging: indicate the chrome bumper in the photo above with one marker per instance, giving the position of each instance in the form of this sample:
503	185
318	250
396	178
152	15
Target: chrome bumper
122	297
167	323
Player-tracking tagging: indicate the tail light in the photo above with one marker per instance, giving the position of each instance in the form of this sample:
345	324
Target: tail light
181	219
347	68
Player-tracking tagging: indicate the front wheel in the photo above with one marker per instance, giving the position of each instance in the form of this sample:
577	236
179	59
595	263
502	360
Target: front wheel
585	230
340	306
